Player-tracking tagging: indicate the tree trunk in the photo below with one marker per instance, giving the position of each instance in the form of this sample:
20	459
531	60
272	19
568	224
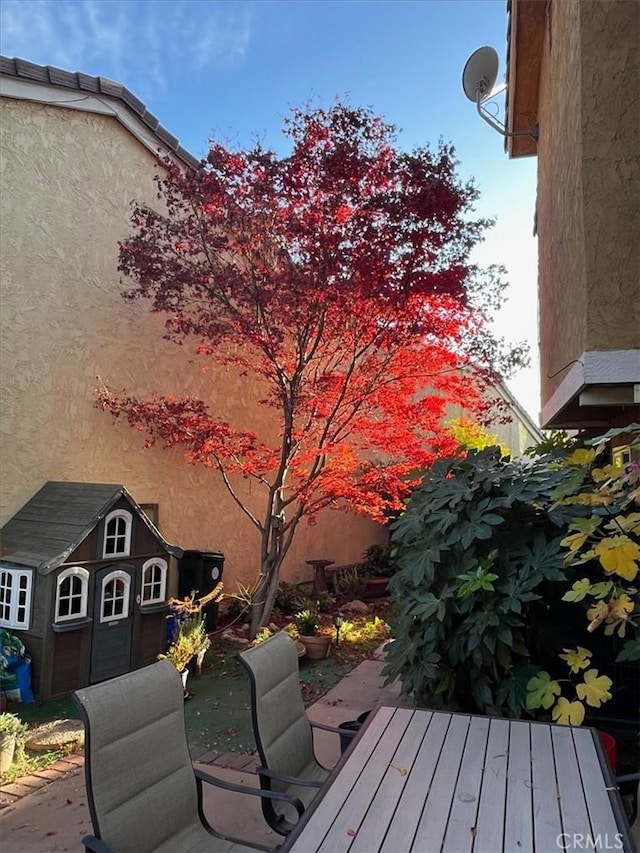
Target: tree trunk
264	597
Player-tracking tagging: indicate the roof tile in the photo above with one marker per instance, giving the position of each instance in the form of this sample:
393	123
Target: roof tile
88	83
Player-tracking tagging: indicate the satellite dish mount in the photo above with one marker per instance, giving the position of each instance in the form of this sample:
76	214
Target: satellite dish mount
478	82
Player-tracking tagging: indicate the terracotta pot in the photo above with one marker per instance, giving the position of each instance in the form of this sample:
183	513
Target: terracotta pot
375	588
316	647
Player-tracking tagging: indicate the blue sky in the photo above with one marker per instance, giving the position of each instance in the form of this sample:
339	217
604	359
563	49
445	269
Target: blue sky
232	69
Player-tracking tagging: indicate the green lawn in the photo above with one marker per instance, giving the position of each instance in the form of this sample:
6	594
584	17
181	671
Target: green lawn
217	714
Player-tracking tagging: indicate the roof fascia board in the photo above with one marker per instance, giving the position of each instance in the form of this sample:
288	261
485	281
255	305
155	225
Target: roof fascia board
174	550
48	566
594	367
526	41
55	96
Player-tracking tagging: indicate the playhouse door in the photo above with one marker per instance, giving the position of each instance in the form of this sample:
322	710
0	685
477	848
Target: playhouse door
112	623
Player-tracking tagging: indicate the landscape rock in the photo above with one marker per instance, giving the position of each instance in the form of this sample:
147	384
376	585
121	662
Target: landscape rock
356	606
56	734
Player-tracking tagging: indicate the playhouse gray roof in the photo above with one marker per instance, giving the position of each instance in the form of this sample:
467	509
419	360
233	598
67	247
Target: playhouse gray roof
51	525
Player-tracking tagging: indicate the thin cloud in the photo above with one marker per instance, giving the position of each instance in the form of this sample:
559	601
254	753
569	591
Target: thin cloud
115	38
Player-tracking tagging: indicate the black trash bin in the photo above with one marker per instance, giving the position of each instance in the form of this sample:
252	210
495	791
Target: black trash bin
202	571
350	726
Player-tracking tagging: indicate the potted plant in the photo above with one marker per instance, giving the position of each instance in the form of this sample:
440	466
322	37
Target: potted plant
190	639
12	734
376	570
316	645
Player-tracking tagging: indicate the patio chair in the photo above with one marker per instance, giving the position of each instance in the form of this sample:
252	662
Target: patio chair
143	791
282	730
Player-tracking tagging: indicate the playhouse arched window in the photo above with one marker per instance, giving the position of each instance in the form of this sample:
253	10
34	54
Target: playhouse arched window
154	581
117	533
116	589
71	594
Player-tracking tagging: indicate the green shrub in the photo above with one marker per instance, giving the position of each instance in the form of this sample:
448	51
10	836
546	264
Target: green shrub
324	602
603	546
378	562
289	599
480	562
306	622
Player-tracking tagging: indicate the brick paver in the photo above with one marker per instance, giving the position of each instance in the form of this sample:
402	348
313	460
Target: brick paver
11	793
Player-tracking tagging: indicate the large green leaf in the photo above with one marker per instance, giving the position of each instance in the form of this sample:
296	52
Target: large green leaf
630	651
513	689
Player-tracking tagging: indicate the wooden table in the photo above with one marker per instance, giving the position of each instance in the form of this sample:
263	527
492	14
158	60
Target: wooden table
431	781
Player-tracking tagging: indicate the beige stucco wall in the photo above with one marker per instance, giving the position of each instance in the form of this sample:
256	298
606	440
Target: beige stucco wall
515	435
588	183
68	178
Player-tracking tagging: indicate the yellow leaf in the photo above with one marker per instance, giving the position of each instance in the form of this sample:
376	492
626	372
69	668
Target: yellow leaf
621	607
401	770
577	659
620	555
587	556
580	457
597	614
575	541
600	474
578	591
585	527
595	689
568	713
629	523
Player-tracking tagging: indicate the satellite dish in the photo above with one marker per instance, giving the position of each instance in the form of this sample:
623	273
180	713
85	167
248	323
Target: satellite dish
480	73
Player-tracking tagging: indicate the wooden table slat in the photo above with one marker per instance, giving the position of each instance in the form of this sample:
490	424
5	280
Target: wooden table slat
546	808
603	819
357	801
518	827
328	807
573	808
493	793
461	829
391	788
403	826
435	814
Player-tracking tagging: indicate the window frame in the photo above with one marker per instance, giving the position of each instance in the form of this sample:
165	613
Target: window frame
619	453
83	574
146	567
127	517
14	606
116	574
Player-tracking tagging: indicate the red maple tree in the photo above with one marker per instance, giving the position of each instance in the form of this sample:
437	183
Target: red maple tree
339	275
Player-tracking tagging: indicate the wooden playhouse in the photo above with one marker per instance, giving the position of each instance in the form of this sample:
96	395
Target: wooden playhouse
84	583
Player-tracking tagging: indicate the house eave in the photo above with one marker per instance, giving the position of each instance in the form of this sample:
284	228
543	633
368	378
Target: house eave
45	84
525	40
598	389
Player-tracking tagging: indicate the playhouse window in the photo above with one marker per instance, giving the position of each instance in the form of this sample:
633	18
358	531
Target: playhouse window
115	597
71	594
15	598
154	581
117	533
